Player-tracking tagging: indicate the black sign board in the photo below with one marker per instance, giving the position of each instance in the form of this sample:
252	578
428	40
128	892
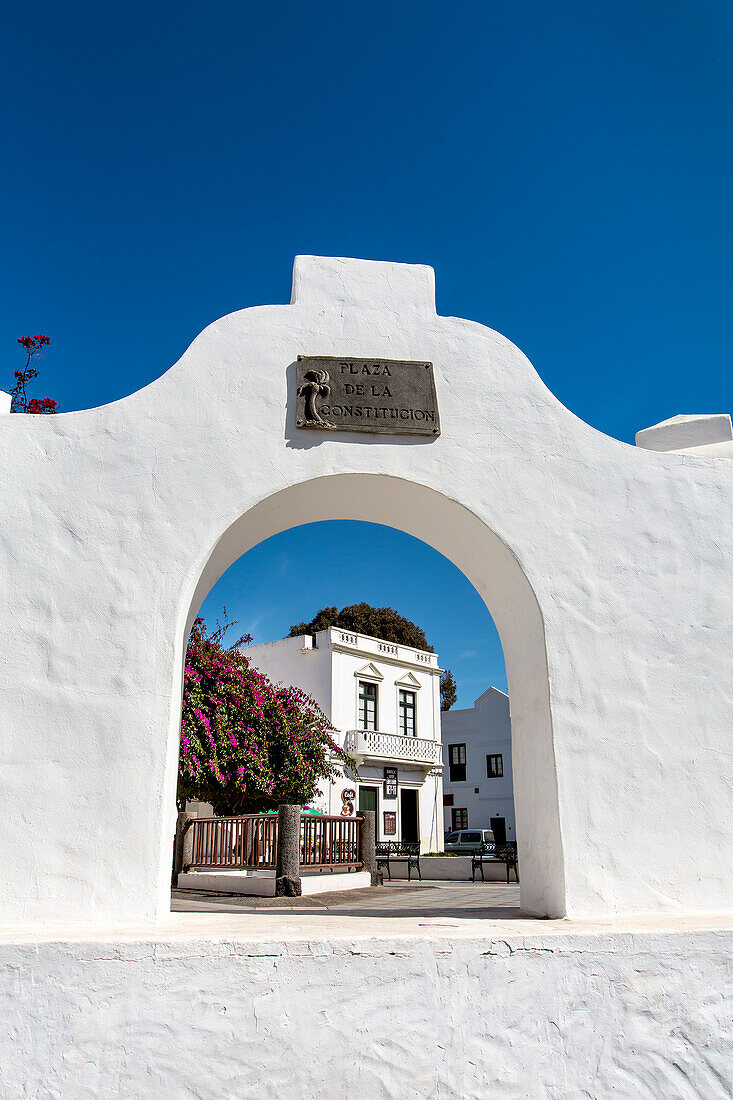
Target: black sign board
382	396
390	782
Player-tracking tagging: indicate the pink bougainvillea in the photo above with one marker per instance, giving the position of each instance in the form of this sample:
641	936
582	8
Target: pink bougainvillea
246	743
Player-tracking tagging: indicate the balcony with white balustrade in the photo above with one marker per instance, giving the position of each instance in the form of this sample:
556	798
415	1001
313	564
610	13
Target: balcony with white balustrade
367	746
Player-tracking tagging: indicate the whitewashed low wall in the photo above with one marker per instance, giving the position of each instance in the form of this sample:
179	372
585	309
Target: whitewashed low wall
451	868
443	1015
259	884
262	883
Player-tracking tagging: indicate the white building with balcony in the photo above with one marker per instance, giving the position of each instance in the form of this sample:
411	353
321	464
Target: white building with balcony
384	701
477	753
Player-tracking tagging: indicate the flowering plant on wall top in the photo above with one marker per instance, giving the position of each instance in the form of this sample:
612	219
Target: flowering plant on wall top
247	744
33	347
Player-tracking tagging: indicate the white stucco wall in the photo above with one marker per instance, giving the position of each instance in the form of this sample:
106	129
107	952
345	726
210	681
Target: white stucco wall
606	569
710	436
485	729
429	788
442	1013
351	662
330	670
296	661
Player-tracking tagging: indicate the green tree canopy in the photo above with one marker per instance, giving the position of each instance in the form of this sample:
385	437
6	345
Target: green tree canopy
448	690
378	622
362	618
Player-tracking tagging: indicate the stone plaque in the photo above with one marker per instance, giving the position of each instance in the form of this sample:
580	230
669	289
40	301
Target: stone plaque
384	396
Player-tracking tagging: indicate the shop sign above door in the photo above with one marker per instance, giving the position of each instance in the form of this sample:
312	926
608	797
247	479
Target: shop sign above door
382	396
390	782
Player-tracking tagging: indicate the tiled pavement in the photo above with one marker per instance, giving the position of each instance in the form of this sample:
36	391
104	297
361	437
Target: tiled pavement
450	900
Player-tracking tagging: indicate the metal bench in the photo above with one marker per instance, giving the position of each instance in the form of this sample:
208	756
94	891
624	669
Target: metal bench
399	851
489	853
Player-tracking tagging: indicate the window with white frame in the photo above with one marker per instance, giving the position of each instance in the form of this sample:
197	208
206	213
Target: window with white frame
367	705
406	716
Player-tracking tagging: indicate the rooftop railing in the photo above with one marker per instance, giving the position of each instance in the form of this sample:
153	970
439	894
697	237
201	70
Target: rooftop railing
378	648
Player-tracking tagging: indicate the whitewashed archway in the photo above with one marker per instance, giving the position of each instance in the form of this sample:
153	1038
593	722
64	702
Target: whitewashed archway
606	568
495	573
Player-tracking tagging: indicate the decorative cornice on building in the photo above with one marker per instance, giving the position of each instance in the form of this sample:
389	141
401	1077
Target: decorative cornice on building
409	680
369	672
347	641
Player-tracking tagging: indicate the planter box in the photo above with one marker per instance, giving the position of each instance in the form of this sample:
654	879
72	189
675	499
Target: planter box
262	883
259	884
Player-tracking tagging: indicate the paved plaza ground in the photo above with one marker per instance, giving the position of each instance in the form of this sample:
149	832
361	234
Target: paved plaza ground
451	900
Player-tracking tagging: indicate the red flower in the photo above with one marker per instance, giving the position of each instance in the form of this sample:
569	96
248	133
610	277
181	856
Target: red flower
41	405
33	343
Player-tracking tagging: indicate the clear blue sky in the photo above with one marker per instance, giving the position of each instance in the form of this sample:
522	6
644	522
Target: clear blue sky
565	167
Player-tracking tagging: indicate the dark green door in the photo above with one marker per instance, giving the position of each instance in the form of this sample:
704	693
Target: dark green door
368	798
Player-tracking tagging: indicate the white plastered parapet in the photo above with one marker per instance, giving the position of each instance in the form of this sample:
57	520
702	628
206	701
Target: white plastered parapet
605	567
708	435
321	282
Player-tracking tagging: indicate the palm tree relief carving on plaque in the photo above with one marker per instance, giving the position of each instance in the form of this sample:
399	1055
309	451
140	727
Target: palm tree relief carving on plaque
315	385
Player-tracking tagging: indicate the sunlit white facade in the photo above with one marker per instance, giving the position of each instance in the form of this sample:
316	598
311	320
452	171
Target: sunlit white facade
477	756
384	701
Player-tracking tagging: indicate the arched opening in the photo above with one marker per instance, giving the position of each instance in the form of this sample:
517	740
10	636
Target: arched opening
494	572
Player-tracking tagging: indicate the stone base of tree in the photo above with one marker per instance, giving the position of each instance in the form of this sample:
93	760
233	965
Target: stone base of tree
286	887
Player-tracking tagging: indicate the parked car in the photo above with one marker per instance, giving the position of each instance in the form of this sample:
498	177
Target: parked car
464	842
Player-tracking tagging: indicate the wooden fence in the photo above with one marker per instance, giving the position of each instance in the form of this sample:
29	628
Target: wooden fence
329	842
250	842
